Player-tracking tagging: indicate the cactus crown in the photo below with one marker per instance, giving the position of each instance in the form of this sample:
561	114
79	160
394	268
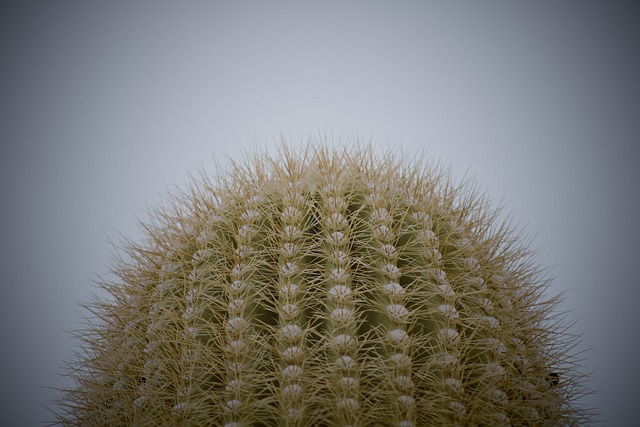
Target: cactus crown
326	287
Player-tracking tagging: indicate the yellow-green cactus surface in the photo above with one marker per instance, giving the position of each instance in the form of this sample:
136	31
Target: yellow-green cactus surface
324	287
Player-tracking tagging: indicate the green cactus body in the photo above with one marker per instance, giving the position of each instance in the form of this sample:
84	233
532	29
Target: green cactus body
325	287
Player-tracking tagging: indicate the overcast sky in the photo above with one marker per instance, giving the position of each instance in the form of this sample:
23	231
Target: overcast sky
106	106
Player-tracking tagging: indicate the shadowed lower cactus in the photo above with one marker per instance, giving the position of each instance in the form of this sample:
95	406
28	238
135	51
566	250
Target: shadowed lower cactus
326	288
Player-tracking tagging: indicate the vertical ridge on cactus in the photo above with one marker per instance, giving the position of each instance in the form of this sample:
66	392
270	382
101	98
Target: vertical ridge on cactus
327	287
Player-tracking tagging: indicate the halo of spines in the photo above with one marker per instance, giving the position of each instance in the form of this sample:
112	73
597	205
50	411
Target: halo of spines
327	287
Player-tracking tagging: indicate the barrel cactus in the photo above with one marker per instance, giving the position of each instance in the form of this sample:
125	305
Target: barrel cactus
326	287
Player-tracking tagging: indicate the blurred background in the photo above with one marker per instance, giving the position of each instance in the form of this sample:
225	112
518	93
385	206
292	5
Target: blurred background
107	106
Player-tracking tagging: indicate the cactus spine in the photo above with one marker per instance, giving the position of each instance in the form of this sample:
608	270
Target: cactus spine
326	287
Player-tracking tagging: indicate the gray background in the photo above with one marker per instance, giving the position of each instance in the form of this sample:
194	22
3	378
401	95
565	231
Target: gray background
108	105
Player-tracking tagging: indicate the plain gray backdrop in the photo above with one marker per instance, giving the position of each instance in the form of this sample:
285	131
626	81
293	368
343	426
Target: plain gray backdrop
106	106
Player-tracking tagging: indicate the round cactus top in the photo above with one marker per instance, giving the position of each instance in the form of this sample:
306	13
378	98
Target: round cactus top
332	287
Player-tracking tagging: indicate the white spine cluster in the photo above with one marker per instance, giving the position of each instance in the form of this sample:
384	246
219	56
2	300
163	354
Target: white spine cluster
290	336
398	349
448	313
238	290
340	301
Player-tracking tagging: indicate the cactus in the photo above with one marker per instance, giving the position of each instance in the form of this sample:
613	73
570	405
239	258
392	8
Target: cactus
326	287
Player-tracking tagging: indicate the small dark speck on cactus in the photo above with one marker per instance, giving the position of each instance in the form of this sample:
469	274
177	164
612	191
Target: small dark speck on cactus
326	287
